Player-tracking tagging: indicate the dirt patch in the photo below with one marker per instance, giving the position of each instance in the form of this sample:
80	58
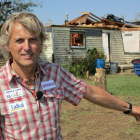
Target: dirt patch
91	122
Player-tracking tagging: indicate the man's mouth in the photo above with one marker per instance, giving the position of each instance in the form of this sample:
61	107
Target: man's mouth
27	55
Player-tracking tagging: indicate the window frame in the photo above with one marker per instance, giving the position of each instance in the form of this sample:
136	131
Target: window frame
78	46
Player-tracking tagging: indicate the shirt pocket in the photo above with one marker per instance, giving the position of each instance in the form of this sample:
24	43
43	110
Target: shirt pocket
7	117
4	107
50	105
11	119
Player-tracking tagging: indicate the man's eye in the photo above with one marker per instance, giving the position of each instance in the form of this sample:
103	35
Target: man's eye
19	40
33	39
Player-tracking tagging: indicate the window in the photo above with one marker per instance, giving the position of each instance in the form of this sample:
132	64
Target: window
77	39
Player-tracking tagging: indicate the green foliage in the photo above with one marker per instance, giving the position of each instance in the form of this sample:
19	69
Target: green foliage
79	66
7	7
94	54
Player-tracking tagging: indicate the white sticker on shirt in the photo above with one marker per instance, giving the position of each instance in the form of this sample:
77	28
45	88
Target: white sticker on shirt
13	93
48	84
17	106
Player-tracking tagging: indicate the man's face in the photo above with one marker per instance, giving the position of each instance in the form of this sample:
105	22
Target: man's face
24	46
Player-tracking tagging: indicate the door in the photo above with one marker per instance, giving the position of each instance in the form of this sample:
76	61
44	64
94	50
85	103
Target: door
106	45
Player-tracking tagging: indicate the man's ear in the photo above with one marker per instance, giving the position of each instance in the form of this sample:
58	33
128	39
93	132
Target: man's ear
7	47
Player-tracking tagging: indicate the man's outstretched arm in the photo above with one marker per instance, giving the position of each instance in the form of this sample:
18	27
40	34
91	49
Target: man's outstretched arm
100	97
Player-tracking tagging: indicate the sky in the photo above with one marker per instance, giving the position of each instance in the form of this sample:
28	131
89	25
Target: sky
55	10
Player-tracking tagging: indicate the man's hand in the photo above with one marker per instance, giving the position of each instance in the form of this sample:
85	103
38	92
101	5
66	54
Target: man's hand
136	113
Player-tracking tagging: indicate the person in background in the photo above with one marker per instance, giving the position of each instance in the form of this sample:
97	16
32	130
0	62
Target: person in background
31	91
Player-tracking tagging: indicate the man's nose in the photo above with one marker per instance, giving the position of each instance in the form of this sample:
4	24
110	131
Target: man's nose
27	45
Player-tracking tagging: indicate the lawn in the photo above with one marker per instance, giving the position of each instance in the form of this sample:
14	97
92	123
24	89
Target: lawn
124	84
88	121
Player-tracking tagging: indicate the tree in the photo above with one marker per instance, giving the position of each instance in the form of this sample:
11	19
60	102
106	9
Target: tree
10	6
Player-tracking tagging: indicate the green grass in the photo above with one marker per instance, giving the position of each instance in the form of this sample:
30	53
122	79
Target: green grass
123	85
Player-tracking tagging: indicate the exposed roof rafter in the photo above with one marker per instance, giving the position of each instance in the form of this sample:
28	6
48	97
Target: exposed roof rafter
89	19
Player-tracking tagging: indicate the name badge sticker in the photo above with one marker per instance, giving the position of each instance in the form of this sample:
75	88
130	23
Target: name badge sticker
17	106
48	84
13	93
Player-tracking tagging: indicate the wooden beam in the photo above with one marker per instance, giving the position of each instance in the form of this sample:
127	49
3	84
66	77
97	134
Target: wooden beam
76	19
107	20
72	21
95	16
82	19
84	13
101	25
90	20
94	19
130	29
117	23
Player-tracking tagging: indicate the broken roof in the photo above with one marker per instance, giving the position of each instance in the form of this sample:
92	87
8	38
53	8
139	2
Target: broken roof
86	18
90	20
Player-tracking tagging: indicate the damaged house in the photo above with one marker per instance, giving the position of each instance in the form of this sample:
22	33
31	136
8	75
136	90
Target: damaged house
117	38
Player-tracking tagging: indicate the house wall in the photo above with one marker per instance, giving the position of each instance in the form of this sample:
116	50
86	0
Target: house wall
61	41
94	39
58	44
117	48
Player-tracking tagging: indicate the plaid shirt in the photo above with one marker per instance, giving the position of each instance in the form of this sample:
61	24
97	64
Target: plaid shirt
36	120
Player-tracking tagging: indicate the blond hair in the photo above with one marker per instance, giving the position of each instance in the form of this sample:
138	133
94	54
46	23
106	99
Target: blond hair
28	20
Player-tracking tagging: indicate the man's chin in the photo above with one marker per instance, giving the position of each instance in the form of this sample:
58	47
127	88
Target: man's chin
28	64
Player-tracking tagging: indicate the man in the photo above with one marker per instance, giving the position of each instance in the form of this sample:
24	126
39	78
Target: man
31	91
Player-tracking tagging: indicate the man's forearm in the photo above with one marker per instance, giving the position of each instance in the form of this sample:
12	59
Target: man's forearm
101	97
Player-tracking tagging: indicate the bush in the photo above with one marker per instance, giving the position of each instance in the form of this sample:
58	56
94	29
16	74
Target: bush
80	66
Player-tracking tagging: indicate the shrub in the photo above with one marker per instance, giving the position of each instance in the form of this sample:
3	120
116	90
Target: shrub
79	66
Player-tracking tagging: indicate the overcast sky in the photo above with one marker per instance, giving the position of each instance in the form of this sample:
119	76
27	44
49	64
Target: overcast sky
55	10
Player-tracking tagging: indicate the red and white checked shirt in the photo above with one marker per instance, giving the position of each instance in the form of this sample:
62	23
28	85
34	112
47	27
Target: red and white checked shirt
41	119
